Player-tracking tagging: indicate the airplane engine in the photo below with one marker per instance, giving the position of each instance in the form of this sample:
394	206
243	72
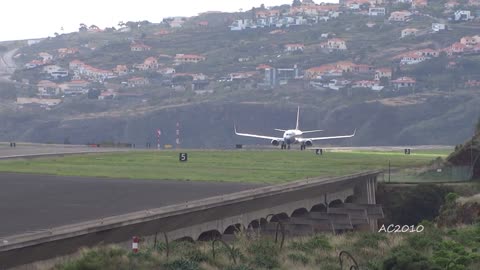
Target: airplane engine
275	142
308	143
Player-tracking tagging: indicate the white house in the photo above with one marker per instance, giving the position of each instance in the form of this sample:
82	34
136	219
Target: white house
75	87
376	11
400	16
46	57
412	58
166	71
48	88
409	32
463	15
242	24
294	47
365	84
437	27
55	71
403	82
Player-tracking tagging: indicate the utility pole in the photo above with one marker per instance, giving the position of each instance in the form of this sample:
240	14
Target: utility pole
159	133
178	136
389	170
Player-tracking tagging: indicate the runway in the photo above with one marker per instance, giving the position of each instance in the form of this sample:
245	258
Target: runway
28	150
37	202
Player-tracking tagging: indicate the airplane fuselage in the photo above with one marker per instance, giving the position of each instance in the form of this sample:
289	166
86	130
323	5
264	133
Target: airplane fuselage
291	136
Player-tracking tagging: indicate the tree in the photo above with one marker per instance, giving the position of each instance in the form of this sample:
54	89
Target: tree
8	91
144	23
365	6
83	28
93	94
296	3
132	25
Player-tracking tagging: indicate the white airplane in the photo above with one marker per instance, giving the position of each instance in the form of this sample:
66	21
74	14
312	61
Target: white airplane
293	136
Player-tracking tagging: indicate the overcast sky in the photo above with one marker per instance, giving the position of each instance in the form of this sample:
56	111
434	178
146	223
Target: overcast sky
25	19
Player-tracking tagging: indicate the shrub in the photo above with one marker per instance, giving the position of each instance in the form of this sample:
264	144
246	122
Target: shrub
407	258
102	258
420	203
195	255
369	240
264	254
430	236
328	263
453	255
182	264
314	243
422	241
298	258
239	267
468	236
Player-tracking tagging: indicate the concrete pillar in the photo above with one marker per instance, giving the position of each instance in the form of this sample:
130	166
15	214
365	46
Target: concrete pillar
365	193
362	191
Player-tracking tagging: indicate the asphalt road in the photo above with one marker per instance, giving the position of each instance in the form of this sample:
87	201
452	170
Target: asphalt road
36	202
33	150
7	65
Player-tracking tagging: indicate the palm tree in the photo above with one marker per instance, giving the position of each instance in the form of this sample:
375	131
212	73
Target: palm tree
83	27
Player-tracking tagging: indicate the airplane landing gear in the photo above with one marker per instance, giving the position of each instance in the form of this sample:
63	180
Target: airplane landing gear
303	147
288	146
283	146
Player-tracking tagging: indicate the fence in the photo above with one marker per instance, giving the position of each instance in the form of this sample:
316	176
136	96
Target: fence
428	175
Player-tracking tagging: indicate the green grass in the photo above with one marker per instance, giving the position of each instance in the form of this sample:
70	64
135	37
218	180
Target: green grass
235	166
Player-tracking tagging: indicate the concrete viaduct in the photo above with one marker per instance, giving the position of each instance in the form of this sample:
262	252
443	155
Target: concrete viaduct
320	204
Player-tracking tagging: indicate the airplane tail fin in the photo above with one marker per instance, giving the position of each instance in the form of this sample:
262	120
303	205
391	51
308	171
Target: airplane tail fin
298	118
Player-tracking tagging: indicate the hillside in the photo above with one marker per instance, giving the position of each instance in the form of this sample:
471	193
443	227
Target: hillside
398	76
468	154
210	124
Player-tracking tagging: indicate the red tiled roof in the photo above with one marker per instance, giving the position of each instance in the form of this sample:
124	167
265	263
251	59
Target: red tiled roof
336	40
136	79
384	69
185	56
263	66
323	68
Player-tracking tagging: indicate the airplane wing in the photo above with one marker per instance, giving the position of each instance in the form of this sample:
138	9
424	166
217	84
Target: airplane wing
327	138
312	131
257	136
